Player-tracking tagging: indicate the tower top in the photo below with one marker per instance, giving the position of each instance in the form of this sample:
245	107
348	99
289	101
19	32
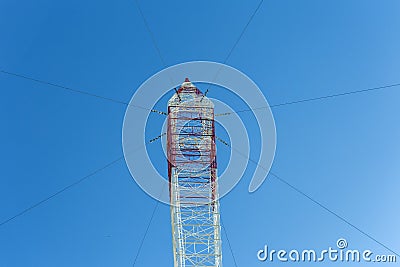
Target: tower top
186	84
189	94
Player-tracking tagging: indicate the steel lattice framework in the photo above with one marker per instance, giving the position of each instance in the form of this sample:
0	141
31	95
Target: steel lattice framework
192	171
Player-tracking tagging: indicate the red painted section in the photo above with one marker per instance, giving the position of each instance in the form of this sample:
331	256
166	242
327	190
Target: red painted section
192	123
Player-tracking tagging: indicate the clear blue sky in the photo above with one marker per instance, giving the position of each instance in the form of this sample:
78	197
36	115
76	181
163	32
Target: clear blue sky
343	151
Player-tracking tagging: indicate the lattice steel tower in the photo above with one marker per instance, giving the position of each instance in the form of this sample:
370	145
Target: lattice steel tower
192	171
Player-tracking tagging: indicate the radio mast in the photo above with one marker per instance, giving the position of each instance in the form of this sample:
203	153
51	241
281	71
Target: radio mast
192	172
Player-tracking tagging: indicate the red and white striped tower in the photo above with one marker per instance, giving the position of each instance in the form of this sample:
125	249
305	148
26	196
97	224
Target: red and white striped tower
192	171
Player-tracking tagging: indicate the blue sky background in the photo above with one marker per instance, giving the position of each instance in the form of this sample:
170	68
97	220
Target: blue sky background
343	152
